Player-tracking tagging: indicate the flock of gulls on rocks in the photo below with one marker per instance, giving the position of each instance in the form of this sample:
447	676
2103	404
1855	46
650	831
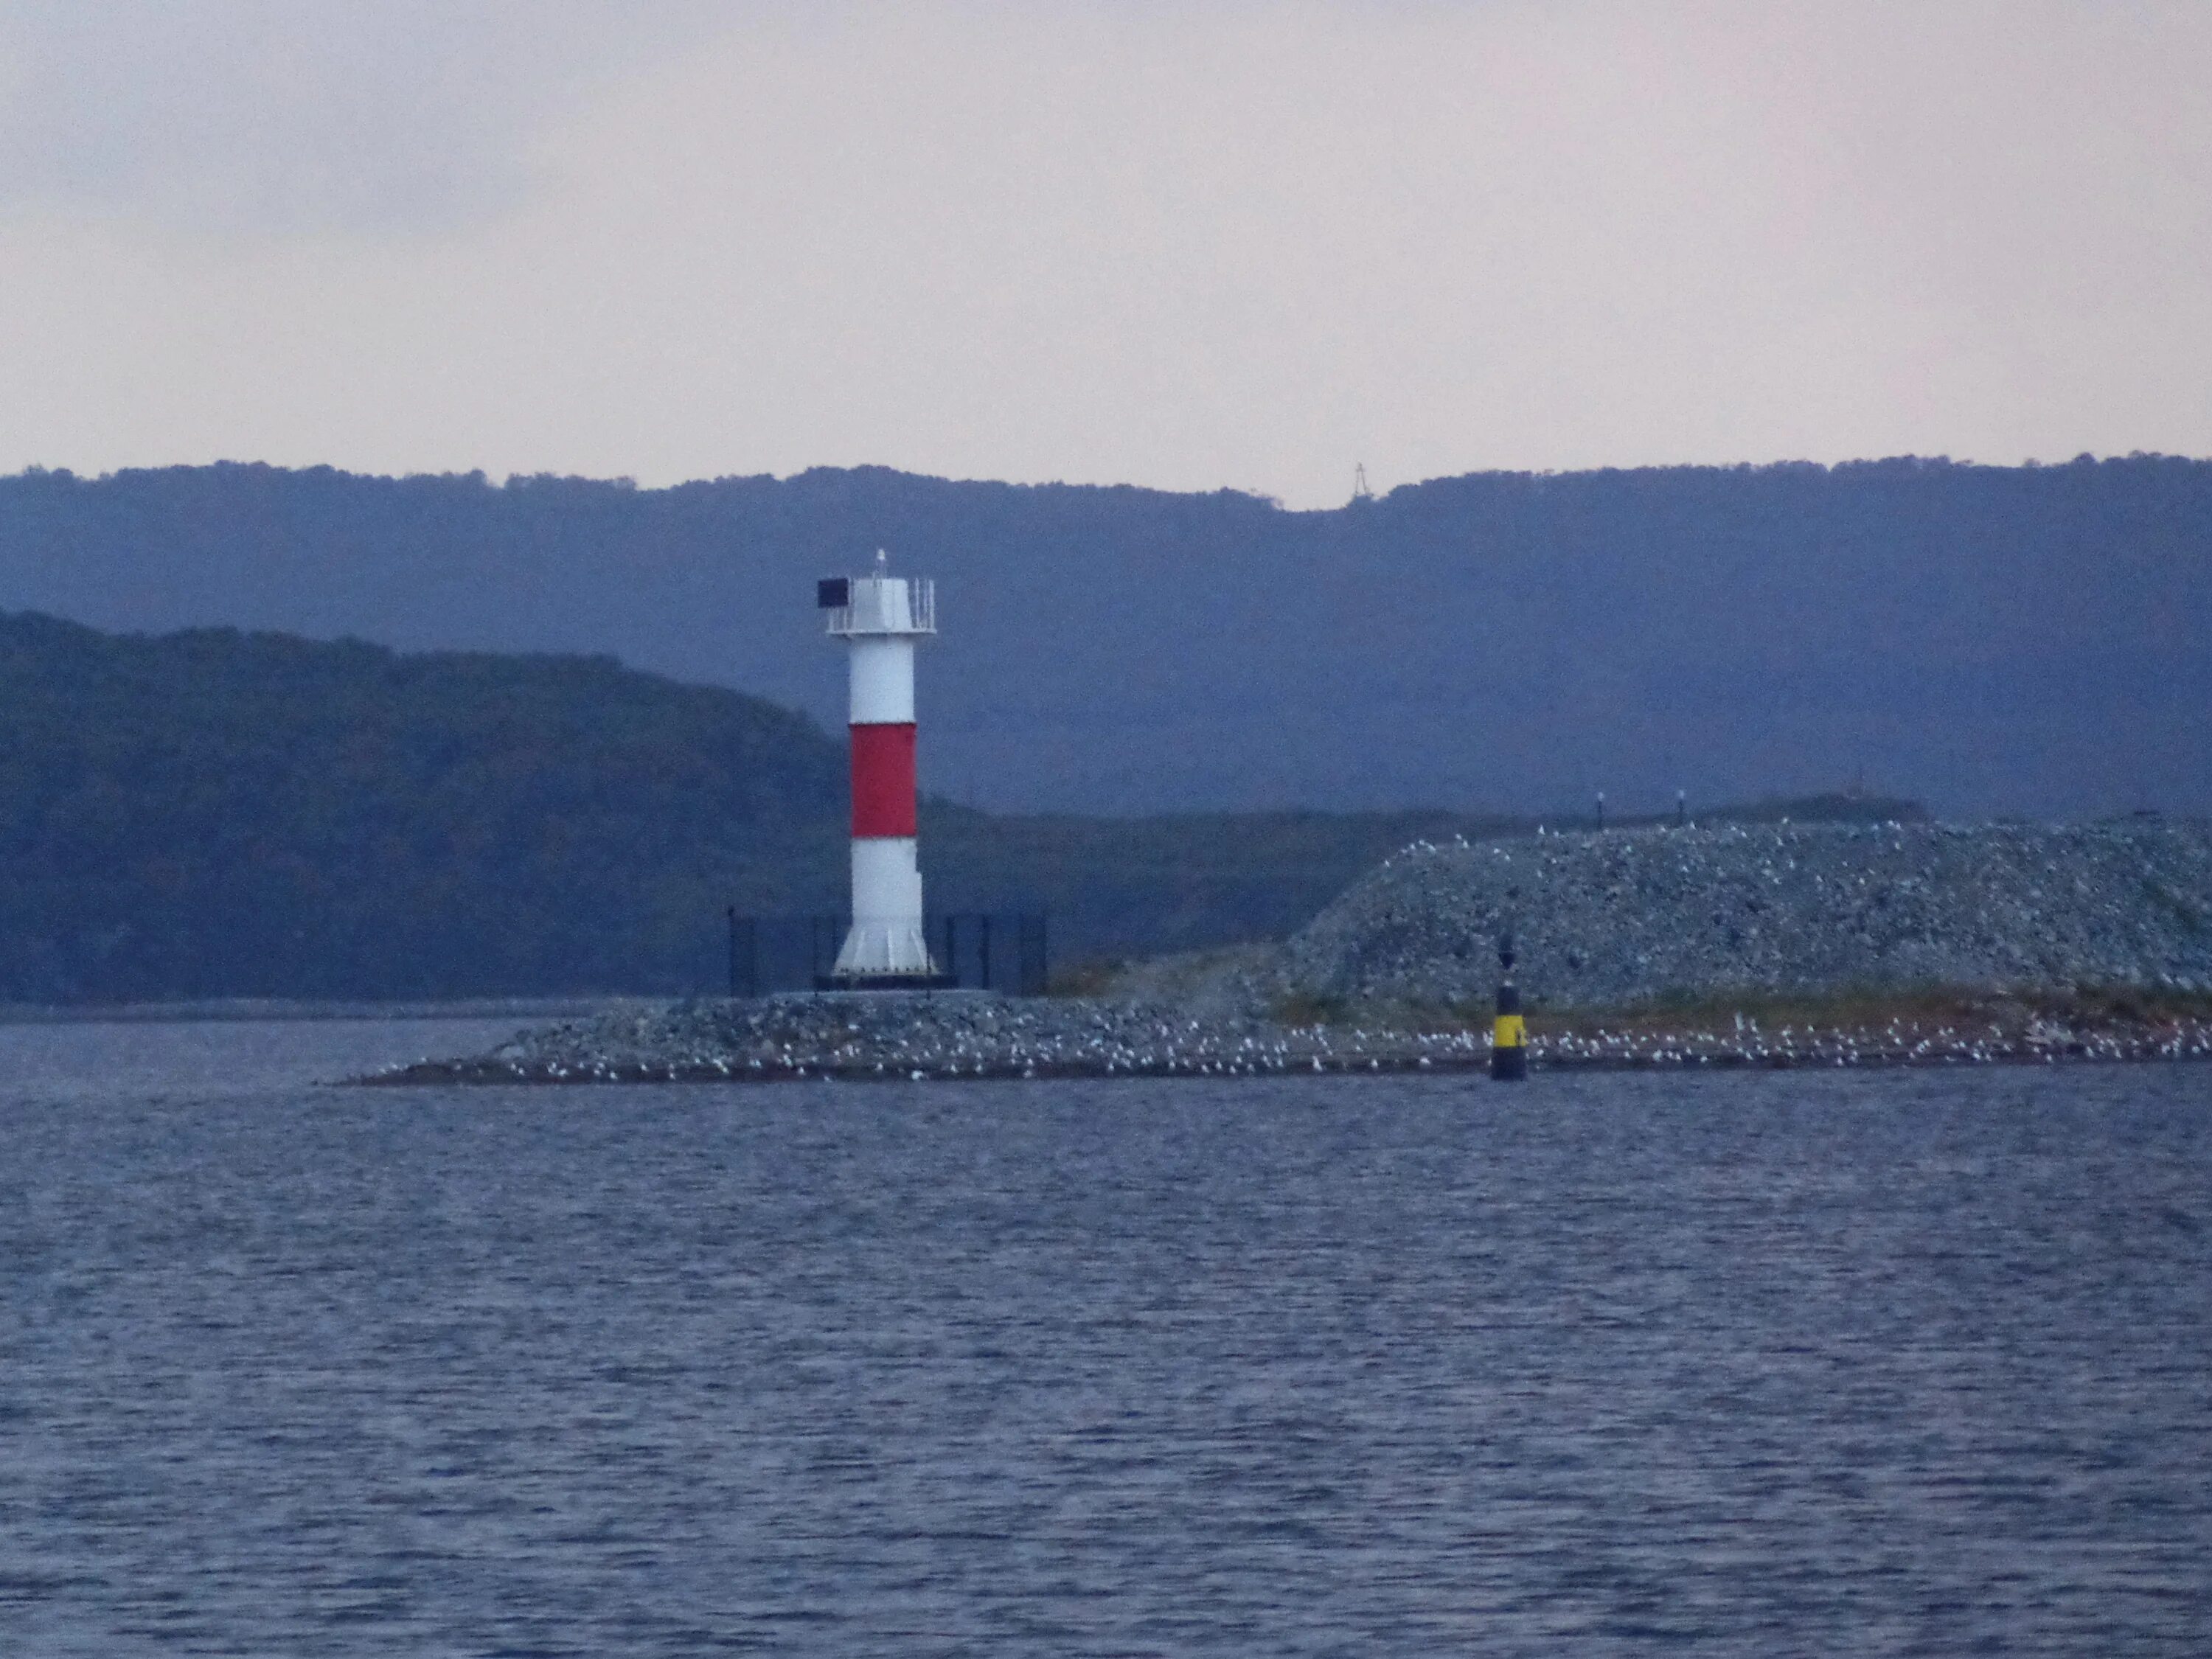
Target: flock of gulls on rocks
886	1039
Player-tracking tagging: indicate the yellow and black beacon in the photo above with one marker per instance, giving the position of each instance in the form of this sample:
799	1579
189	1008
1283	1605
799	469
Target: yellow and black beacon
1509	1039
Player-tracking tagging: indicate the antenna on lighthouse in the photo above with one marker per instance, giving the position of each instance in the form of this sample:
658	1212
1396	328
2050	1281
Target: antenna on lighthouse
881	618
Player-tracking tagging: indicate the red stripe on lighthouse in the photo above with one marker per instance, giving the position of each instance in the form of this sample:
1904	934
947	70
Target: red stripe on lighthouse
883	781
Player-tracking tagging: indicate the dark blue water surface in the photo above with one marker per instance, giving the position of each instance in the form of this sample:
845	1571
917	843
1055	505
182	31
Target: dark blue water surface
1787	1363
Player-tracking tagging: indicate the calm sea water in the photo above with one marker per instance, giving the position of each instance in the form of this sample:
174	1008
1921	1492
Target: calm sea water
1762	1364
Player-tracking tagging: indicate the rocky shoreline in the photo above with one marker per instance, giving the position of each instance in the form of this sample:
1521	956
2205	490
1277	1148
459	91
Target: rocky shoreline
856	1038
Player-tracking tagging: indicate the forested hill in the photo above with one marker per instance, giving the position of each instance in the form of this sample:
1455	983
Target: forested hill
218	814
2033	640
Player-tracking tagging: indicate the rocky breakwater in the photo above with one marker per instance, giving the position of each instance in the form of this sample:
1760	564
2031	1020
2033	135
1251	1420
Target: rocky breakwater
790	1040
1608	919
1905	945
868	1036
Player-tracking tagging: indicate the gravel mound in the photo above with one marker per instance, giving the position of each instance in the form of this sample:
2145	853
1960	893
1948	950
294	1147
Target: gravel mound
1606	919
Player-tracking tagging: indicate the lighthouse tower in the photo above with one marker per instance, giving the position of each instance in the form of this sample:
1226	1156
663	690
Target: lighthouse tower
880	617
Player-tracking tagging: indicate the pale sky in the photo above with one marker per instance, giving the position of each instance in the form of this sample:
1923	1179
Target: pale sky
1186	245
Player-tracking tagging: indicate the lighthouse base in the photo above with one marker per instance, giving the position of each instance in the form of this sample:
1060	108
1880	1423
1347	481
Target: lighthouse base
881	950
885	941
887	983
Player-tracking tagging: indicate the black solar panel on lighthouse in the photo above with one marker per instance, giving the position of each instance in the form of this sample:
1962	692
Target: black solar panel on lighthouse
832	593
